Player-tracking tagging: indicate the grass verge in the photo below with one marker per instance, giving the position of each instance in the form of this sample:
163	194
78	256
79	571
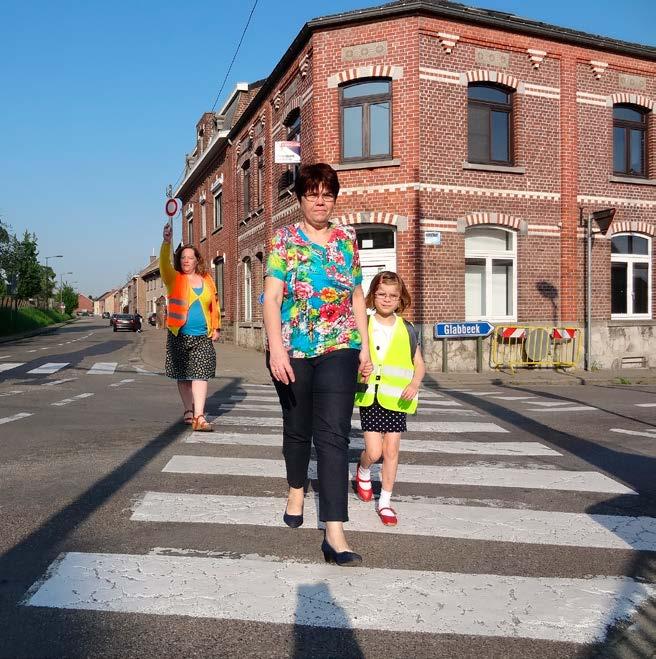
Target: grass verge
28	318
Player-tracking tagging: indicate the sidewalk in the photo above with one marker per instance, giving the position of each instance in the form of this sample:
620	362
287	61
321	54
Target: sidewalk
234	361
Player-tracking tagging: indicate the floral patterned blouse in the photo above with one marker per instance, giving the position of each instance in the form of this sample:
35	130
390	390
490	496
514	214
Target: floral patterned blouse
316	312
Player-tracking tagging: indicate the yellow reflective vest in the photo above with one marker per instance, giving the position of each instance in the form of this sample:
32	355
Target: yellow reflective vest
391	377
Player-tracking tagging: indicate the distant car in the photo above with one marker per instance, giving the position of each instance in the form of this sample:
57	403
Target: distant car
111	319
125	321
152	319
106	314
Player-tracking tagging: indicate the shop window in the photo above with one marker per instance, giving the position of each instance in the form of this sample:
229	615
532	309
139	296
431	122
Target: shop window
366	111
490	274
489	118
629	140
630	278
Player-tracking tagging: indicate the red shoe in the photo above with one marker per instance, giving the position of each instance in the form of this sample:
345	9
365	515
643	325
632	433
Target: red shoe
388	520
363	495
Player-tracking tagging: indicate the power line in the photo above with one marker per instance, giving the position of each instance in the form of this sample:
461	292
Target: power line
234	57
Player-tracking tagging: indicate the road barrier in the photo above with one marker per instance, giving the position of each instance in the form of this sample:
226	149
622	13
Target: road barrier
529	345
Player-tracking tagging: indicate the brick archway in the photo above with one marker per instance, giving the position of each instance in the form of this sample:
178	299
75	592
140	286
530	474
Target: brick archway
372	71
495	77
632	99
631	226
372	217
493	219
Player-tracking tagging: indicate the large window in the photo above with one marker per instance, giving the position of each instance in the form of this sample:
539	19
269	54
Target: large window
260	177
218	280
293	125
248	291
246	190
490	274
218	209
489	124
629	140
630	278
203	220
366	120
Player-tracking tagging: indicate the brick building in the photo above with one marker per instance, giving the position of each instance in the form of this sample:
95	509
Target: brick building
470	145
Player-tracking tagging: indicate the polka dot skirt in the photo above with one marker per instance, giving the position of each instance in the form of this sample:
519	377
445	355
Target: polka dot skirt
190	357
377	419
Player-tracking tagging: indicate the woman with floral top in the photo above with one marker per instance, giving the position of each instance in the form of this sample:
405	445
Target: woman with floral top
316	325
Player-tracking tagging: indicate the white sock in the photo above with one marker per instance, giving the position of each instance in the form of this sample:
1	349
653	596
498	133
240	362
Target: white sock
385	499
365	474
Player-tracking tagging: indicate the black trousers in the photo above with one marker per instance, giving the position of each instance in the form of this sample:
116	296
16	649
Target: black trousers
319	407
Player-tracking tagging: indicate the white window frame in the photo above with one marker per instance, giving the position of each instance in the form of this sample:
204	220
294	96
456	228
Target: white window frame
248	290
190	229
489	257
218	197
203	220
630	260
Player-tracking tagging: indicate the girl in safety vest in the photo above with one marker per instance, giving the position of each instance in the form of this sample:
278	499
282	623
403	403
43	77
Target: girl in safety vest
391	391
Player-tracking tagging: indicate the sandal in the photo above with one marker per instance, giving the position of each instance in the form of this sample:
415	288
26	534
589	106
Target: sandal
188	417
388	519
201	425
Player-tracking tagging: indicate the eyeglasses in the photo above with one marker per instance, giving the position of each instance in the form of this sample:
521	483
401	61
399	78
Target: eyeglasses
387	296
313	198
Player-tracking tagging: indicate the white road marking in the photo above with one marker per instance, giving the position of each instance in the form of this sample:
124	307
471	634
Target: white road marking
645	404
11	393
5	356
102	368
558	410
50	384
413	426
227	407
143	371
8	366
638	433
538	479
273	399
67	401
122	382
32	350
407	445
15	417
472	393
286	592
512	397
50	367
43	348
552	403
535	527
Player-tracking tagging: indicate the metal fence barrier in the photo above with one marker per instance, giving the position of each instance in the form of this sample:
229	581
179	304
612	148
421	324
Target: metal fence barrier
529	345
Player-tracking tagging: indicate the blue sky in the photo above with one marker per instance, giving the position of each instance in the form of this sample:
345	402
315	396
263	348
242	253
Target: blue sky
100	101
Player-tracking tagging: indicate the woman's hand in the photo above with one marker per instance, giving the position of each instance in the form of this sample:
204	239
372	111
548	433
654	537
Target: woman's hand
167	234
366	368
410	391
280	366
215	335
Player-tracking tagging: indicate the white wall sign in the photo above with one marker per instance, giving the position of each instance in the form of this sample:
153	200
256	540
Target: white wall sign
432	237
287	153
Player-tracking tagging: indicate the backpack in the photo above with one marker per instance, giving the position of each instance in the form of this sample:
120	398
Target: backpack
414	338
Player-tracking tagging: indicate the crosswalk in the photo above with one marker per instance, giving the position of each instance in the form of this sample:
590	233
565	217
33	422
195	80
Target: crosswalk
50	368
285	589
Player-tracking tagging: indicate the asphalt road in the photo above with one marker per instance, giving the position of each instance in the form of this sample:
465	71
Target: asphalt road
527	521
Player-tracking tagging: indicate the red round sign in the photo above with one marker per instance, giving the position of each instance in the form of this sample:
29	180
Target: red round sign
172	207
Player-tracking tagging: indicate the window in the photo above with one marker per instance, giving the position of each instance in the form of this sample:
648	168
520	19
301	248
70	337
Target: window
366	109
293	125
190	230
218	281
490	274
248	291
218	209
246	191
489	124
203	221
629	140
260	177
630	276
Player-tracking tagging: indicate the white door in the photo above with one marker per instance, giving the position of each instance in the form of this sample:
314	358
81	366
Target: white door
377	247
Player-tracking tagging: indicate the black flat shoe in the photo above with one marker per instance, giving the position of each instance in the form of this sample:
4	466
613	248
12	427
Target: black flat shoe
293	521
341	558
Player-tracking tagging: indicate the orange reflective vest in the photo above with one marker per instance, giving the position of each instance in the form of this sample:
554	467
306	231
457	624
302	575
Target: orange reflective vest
179	292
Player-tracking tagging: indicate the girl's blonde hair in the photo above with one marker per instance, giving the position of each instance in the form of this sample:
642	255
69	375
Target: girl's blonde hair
390	278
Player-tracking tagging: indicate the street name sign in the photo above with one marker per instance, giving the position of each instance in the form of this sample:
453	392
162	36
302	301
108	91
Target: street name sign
462	330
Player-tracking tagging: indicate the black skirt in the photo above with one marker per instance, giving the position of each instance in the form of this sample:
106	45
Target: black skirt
190	357
377	419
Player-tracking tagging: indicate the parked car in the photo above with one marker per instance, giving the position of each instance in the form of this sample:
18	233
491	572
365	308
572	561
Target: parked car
125	321
106	314
152	319
111	319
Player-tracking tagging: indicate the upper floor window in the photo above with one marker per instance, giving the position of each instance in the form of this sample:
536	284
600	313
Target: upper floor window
366	109
489	114
218	209
246	191
630	276
629	140
490	274
260	177
293	125
203	220
190	230
248	290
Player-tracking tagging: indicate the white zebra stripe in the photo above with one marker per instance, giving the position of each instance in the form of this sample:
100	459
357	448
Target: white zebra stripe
557	609
8	366
15	417
50	367
540	479
245	407
102	368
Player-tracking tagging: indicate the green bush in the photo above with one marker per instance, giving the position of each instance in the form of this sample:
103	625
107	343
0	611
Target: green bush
28	318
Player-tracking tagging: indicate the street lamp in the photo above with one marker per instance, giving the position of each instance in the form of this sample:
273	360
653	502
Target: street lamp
603	218
56	256
61	283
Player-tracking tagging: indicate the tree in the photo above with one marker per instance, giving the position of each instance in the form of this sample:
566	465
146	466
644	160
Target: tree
49	282
30	275
6	245
69	298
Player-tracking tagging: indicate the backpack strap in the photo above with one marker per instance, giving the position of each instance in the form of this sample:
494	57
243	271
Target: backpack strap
414	338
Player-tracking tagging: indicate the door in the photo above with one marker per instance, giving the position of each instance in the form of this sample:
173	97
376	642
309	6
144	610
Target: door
377	247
